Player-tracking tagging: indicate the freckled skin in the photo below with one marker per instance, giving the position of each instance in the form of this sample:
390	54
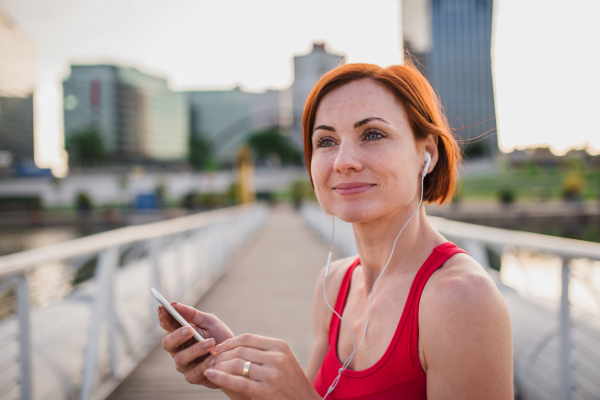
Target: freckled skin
392	163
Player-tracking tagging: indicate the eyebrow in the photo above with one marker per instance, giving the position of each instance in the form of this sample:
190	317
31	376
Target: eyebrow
367	120
356	125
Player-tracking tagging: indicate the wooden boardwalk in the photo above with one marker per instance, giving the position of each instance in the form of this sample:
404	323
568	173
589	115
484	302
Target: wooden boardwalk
268	291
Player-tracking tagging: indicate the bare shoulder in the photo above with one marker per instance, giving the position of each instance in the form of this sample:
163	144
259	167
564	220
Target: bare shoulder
461	282
337	270
461	313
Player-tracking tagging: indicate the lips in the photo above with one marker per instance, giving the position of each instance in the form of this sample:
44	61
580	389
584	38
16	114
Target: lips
352	187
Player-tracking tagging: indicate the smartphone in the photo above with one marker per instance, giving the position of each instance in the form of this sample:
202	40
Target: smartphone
174	313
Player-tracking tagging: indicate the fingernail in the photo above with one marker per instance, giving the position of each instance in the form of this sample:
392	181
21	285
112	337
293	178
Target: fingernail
208	343
187	331
210	373
217	348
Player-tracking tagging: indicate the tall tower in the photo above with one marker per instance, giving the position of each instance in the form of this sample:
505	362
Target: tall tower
458	65
307	71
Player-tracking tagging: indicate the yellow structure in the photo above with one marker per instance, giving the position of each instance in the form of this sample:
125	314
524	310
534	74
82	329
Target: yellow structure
245	171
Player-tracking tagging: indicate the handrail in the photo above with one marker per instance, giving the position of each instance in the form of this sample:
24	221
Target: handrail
562	247
198	248
24	260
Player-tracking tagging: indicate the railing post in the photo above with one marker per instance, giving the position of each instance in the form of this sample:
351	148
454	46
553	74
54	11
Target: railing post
155	279
566	382
111	312
106	262
24	337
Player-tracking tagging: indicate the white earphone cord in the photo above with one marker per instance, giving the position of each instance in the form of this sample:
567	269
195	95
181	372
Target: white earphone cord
349	359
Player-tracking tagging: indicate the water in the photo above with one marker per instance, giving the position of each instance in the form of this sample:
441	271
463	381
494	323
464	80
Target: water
47	283
539	276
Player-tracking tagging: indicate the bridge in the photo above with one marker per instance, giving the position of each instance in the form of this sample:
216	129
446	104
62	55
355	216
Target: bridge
255	268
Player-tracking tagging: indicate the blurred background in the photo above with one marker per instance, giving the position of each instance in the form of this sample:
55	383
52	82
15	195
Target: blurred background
126	113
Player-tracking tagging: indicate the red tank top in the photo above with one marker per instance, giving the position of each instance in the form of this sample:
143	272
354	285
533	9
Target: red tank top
398	374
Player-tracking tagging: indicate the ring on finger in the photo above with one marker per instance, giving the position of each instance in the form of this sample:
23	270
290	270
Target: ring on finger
246	370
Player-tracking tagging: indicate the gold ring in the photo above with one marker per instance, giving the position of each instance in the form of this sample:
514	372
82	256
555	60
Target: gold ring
246	370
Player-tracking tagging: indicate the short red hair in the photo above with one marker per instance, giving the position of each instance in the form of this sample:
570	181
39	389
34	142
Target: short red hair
422	106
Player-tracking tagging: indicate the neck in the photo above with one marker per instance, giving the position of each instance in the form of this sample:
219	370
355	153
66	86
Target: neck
375	239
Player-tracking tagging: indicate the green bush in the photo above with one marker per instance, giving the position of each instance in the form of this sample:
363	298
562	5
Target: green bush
85	148
272	142
507	195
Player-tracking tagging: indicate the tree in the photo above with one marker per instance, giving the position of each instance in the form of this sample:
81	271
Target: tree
200	153
86	147
272	142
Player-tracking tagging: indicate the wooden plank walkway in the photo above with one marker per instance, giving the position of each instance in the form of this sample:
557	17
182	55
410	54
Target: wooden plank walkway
268	291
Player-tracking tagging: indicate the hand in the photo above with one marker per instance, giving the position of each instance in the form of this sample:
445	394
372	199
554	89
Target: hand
192	357
274	372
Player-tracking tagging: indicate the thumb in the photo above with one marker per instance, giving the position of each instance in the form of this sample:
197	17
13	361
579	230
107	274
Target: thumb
191	315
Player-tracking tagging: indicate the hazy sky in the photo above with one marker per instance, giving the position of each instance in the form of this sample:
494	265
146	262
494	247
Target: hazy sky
545	65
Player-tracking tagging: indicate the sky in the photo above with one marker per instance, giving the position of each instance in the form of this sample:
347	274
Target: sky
544	54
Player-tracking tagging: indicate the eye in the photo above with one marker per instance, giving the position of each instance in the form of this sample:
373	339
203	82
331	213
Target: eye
325	142
373	134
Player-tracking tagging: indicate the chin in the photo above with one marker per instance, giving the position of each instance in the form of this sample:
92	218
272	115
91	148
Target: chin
354	212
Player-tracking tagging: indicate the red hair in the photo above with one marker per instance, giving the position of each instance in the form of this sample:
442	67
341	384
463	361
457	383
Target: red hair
422	106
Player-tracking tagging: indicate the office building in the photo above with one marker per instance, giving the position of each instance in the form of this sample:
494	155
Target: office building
307	71
139	118
226	118
452	42
17	76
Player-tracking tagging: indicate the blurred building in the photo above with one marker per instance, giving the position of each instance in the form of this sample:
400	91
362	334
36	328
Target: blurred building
139	118
307	71
225	118
17	77
452	39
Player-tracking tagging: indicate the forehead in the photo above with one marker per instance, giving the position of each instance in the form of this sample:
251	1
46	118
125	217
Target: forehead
360	99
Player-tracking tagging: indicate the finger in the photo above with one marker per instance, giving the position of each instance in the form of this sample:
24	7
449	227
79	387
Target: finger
249	340
236	384
246	353
173	340
184	357
166	321
193	316
236	367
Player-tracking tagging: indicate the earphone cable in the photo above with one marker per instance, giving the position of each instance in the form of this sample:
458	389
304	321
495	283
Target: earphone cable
355	349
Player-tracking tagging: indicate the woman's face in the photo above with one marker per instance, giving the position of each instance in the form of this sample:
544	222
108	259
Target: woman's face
366	162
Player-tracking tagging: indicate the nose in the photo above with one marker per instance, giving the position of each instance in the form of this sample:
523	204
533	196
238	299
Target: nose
347	158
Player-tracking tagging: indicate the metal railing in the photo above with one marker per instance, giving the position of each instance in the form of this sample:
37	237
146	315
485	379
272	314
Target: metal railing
556	346
82	346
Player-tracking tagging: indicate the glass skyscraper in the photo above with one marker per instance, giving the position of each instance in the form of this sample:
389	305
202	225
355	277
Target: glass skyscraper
458	65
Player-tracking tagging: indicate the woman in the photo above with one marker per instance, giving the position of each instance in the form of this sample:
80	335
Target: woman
438	328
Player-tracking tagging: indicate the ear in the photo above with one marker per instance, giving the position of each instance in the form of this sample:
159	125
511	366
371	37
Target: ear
431	146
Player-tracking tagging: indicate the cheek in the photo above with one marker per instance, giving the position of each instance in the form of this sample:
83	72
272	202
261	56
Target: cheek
319	169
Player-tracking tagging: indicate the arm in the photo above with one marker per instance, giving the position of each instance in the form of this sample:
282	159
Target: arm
465	335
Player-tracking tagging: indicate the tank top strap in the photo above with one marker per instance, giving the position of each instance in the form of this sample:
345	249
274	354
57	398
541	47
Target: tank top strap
341	300
438	257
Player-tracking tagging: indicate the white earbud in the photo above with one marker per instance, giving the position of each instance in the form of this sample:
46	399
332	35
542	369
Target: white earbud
427	162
